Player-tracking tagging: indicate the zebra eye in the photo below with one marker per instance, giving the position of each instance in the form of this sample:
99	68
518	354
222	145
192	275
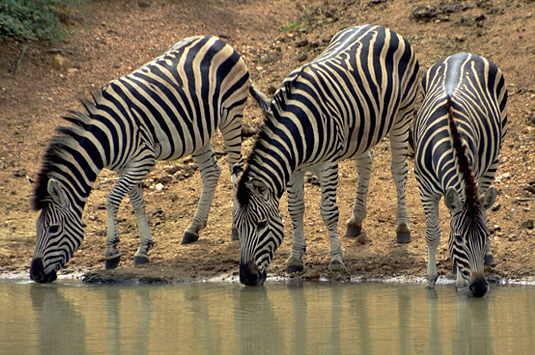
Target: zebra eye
458	239
53	229
261	224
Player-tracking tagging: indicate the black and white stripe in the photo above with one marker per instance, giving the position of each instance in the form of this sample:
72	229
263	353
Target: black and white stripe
458	134
167	109
339	106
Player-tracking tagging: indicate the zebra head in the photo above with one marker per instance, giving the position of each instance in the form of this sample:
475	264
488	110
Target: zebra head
59	233
469	238
260	229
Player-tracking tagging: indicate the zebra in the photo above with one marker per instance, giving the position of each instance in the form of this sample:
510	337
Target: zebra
458	133
167	109
361	88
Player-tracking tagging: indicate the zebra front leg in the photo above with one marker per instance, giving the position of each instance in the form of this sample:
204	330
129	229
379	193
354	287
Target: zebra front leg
145	242
399	146
364	169
485	182
231	123
328	176
432	239
296	208
112	256
210	171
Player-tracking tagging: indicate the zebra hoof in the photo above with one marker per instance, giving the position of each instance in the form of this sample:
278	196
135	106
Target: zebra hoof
112	263
404	237
189	237
141	259
353	232
293	269
489	259
235	235
337	265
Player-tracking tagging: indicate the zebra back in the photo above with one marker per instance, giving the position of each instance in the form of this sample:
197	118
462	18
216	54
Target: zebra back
172	105
460	127
337	106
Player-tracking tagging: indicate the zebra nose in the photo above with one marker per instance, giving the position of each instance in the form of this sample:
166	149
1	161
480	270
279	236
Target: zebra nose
250	275
479	287
37	272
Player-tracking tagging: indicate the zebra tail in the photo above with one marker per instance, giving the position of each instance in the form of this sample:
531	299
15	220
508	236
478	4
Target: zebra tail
472	202
262	100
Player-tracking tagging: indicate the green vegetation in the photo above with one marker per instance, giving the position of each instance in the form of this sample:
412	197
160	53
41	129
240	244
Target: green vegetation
290	26
31	20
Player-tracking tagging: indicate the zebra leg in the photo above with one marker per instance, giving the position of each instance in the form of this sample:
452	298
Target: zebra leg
145	243
296	208
432	239
210	171
328	176
116	195
230	127
364	170
399	147
484	183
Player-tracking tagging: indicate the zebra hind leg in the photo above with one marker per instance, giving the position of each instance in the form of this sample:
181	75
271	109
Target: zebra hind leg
399	147
328	176
210	171
364	170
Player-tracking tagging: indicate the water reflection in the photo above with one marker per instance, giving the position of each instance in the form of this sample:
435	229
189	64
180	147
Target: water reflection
56	318
275	319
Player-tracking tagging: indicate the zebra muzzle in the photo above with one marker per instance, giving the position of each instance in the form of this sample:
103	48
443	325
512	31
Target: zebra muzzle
37	272
478	286
251	275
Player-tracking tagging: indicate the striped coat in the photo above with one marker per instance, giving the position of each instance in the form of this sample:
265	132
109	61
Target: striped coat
167	109
339	106
458	134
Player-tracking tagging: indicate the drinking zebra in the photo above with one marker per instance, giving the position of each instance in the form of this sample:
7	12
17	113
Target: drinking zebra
359	90
166	109
458	133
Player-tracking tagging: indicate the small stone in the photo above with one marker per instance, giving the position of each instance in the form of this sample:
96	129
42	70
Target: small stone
311	274
302	57
61	63
527	224
301	43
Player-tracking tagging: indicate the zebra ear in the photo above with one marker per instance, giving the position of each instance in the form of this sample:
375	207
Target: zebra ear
258	188
489	198
56	192
30	180
452	200
237	171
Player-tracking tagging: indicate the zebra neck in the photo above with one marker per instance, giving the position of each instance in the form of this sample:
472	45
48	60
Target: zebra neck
79	170
273	173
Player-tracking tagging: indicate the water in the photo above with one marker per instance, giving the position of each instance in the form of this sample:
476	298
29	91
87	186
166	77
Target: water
67	317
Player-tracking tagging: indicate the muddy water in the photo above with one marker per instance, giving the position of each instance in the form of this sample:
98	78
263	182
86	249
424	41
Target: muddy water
208	318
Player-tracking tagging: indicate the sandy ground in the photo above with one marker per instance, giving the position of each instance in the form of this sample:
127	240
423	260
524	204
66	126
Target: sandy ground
107	39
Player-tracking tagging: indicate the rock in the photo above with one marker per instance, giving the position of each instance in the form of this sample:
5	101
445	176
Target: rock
302	43
311	275
302	57
61	63
527	224
164	180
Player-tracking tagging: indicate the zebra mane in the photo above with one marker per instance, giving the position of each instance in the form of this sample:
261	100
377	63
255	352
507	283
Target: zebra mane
271	115
472	203
62	145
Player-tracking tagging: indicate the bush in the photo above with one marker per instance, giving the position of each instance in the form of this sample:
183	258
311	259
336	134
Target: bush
30	20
